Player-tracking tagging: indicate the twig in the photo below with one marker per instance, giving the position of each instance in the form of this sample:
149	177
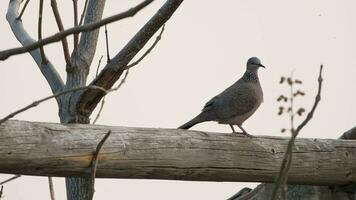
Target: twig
113	89
1	191
107	45
23	10
97	68
36	103
100	110
287	159
158	38
94	161
83	28
121	83
61	28
10	179
317	99
83	13
51	188
43	56
76	35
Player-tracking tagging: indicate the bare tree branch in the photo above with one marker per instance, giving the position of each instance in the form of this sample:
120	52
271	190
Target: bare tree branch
76	36
1	191
84	52
287	159
158	38
107	45
48	70
51	188
36	103
155	153
58	36
127	72
10	179
98	66
83	12
43	56
114	89
61	28
113	70
317	99
94	161
23	10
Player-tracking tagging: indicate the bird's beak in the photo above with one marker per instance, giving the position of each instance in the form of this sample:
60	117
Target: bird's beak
262	65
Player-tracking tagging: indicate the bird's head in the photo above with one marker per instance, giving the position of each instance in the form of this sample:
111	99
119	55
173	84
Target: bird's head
253	64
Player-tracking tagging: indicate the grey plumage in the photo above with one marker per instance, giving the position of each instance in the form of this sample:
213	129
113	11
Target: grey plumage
236	103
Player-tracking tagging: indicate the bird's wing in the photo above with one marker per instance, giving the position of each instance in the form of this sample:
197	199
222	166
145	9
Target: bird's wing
234	101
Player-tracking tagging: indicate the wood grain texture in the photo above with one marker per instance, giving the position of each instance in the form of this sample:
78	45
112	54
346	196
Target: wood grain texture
47	149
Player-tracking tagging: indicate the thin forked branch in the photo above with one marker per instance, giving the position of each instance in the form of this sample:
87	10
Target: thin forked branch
158	38
114	89
94	161
61	28
23	10
51	188
83	12
83	28
287	159
107	45
113	70
10	179
36	103
47	70
76	35
43	56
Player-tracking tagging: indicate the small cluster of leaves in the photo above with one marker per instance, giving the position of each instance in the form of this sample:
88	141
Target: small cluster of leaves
284	99
299	93
290	81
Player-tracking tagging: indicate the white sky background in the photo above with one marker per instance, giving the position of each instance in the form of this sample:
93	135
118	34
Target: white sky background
203	50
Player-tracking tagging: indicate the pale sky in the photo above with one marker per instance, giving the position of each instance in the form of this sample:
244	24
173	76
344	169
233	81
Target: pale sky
203	50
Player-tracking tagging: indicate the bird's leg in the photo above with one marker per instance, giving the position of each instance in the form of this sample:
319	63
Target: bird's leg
233	130
243	131
232	127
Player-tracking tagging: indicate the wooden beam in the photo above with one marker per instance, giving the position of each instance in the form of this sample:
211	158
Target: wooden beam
48	149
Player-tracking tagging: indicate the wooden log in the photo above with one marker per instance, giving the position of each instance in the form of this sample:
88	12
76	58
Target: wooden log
48	149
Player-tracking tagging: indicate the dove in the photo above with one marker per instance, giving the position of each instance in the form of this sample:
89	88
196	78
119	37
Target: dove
235	104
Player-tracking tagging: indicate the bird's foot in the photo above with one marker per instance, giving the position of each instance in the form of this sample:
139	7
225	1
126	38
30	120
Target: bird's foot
242	134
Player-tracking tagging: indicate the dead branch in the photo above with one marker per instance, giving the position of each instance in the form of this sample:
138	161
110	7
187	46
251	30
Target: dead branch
151	153
113	70
43	56
36	103
158	38
51	188
23	10
83	12
1	191
94	161
103	100
10	179
76	35
84	28
107	45
57	16
48	70
287	159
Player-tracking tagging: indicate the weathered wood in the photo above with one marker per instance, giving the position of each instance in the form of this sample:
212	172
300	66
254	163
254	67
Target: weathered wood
47	149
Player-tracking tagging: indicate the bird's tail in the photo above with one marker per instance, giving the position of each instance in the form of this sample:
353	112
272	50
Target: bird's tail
191	123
